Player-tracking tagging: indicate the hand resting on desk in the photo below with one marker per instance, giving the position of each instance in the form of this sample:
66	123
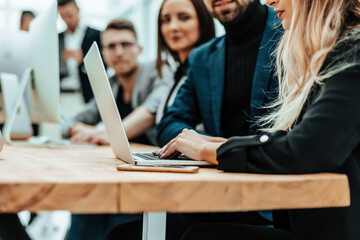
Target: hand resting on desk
83	133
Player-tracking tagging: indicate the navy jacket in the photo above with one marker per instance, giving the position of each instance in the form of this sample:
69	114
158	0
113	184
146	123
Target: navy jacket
200	98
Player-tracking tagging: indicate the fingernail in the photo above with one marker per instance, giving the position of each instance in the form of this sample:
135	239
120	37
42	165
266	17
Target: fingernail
155	152
160	155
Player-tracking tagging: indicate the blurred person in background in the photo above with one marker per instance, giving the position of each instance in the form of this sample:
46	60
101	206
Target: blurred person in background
73	45
137	87
182	26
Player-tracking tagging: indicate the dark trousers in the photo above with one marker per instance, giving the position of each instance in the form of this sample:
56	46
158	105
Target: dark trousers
228	231
177	224
96	226
11	228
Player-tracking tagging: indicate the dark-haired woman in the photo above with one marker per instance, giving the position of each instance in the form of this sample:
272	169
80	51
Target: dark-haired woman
182	26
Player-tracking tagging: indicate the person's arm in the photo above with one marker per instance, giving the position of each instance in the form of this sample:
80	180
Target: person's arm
142	118
76	54
324	139
194	145
82	133
89	115
138	121
156	87
321	142
84	122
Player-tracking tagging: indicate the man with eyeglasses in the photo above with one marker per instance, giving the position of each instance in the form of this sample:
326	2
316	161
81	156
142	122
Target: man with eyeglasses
136	87
138	92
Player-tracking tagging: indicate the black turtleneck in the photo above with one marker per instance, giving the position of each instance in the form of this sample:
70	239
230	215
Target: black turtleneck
125	109
243	39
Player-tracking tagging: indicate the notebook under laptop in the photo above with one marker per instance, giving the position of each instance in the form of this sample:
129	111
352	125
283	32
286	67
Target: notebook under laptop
111	118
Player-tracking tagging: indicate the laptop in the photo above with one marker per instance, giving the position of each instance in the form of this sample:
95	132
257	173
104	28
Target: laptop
111	118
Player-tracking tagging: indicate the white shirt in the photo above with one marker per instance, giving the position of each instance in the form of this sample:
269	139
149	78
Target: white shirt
73	41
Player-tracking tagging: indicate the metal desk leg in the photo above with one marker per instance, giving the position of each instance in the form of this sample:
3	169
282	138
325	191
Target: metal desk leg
154	226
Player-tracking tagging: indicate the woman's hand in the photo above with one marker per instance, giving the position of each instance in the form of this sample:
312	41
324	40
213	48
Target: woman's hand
193	145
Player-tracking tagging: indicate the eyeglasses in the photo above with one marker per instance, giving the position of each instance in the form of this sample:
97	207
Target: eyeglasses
125	45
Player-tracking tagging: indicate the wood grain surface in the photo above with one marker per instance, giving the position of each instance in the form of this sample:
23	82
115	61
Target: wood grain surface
85	180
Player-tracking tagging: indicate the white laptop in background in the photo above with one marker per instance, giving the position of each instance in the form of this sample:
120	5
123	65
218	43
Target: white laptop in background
111	118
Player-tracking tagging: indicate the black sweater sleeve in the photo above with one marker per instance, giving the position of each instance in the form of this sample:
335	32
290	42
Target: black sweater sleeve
324	139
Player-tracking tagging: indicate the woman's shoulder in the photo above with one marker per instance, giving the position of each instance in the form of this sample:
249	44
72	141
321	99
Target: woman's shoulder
346	53
350	41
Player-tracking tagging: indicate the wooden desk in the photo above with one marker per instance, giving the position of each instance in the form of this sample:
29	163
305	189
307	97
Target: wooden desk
85	180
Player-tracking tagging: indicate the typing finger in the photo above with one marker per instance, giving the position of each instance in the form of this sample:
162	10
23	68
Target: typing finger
166	147
175	155
170	151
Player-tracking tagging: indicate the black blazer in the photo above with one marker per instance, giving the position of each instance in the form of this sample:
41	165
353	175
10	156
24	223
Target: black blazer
325	139
90	36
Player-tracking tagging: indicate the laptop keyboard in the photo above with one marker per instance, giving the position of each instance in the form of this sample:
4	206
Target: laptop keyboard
147	156
151	156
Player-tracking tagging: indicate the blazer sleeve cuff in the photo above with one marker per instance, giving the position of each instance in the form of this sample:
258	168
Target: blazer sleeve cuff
232	155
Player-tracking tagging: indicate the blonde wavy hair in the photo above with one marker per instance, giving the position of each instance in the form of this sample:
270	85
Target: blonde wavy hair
317	27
